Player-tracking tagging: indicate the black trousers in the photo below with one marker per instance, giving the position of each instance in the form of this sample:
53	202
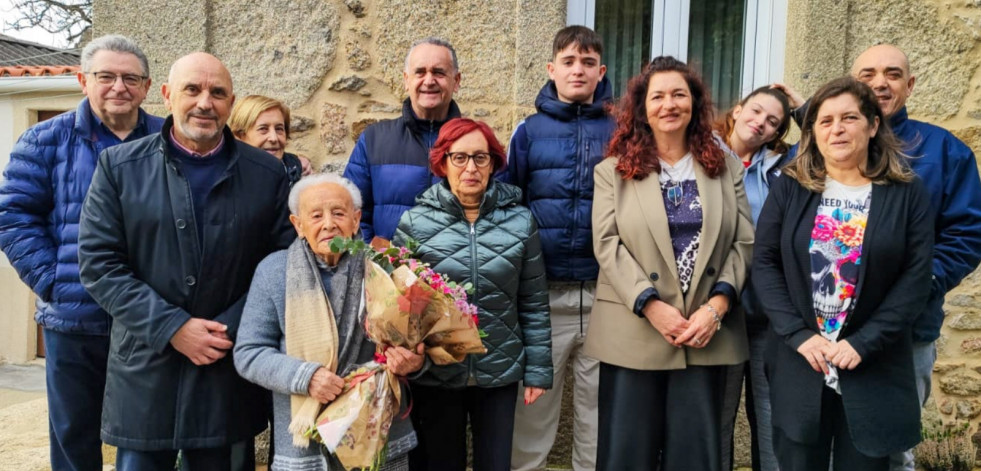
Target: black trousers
440	415
666	420
834	438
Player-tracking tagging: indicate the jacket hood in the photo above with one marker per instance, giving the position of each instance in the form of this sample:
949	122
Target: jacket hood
498	195
548	102
418	125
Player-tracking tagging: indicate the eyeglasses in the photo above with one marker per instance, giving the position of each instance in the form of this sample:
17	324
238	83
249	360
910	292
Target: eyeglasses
459	159
109	78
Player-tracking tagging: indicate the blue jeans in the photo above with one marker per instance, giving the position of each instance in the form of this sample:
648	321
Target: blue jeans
924	356
75	372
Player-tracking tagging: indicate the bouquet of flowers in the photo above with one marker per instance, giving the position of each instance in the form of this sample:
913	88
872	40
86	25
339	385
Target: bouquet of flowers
407	304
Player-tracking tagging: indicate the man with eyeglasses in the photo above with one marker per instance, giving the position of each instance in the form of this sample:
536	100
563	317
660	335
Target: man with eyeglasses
390	161
40	200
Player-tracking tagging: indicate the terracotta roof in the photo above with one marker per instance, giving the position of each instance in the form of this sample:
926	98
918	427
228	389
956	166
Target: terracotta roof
14	52
38	71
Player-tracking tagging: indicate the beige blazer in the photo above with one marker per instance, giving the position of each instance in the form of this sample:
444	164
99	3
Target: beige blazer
633	246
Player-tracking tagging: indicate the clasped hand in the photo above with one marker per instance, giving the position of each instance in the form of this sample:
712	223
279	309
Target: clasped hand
819	351
695	332
202	341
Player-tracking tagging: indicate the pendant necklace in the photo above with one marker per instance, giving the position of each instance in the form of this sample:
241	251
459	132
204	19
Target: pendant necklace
673	190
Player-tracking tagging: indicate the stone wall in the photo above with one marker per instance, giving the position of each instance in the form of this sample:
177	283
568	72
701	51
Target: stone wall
943	41
338	64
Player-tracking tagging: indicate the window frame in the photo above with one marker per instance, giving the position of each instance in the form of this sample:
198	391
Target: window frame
764	45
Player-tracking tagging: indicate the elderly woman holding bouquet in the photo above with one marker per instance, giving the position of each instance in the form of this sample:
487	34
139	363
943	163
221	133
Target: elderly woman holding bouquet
302	328
473	229
842	268
673	234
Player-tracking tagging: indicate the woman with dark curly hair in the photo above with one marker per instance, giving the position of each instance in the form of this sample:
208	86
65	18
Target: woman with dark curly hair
673	235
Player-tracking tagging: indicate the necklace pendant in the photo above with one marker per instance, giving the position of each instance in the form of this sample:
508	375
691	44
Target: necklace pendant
675	194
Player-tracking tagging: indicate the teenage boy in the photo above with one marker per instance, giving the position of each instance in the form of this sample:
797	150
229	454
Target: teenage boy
551	157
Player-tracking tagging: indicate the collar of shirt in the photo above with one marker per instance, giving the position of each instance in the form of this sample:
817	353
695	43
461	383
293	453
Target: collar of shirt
105	135
217	149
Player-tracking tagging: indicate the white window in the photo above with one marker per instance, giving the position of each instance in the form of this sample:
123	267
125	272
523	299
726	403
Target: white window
736	45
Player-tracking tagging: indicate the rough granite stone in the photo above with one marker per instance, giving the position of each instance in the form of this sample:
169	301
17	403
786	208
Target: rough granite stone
351	83
920	28
537	23
941	344
300	124
946	406
971	345
165	31
333	132
968	408
372	106
486	44
964	321
960	300
279	48
943	368
480	113
358	127
960	384
334	166
827	37
357	57
356	7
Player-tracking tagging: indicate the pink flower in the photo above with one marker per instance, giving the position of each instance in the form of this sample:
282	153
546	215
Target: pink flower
824	228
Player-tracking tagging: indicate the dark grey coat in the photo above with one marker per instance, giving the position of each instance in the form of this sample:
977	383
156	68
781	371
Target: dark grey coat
140	259
501	255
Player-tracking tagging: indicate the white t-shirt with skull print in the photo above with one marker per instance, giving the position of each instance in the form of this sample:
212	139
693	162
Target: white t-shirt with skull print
836	253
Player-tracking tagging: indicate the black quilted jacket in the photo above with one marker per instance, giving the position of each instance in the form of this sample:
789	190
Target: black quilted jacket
501	255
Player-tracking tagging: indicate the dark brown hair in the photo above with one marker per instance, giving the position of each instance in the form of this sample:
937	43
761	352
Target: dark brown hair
725	123
886	162
633	141
586	38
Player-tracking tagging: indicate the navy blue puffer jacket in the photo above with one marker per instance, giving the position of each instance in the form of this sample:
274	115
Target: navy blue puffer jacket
551	158
390	165
41	198
500	255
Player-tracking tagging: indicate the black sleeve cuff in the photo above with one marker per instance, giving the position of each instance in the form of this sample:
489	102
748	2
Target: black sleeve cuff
726	290
645	296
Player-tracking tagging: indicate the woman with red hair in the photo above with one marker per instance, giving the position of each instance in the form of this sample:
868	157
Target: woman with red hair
473	229
673	236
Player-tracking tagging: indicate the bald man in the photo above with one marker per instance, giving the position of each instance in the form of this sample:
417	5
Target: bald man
949	171
171	232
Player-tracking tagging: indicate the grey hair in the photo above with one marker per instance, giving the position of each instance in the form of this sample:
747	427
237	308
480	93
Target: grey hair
320	179
435	41
114	43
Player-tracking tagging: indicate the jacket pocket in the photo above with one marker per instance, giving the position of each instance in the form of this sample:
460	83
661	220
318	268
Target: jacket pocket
126	346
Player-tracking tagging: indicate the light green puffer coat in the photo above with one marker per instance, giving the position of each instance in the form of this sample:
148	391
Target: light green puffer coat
501	255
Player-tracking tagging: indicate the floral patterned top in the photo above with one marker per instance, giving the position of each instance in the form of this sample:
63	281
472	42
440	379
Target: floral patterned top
836	253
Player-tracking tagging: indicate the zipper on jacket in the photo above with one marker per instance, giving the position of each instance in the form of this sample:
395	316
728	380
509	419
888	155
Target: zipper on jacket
580	155
471	379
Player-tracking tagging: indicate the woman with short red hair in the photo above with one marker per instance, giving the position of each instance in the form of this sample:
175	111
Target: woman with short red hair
673	236
473	229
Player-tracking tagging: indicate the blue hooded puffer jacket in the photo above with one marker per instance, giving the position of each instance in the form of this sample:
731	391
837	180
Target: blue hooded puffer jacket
551	158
